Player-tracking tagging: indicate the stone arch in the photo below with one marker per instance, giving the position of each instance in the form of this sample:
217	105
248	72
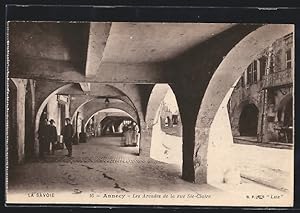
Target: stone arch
86	101
125	113
125	108
127	98
73	115
284	101
227	73
280	109
158	139
235	116
42	102
115	90
133	93
131	98
152	117
106	123
91	113
158	93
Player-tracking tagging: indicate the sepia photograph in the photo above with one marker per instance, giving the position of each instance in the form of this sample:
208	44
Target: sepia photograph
150	113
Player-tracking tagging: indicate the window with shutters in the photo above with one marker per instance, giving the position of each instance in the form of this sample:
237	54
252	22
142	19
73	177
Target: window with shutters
288	56
252	73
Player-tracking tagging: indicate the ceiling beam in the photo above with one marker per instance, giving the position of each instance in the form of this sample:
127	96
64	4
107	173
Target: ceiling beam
86	87
98	36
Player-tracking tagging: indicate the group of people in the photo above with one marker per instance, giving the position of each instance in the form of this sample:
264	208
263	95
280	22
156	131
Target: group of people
48	136
130	134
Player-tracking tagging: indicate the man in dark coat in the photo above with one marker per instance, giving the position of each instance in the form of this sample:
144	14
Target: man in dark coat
43	137
52	135
67	133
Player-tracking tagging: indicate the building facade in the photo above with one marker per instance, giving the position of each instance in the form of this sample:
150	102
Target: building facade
261	105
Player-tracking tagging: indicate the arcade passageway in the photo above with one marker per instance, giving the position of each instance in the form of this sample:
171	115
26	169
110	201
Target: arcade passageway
147	104
102	166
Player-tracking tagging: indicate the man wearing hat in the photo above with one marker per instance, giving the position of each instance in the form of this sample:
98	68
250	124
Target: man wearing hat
43	137
52	136
67	133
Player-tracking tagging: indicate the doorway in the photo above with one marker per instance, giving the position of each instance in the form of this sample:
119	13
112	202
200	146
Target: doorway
248	121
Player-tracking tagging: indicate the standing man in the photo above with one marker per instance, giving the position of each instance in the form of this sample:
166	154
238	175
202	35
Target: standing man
52	135
43	137
47	144
67	133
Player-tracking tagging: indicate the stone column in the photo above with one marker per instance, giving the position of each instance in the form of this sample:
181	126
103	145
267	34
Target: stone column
145	139
30	121
261	115
21	94
188	144
214	160
200	156
189	95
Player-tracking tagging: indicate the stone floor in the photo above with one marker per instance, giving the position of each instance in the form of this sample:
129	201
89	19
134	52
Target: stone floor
269	166
103	172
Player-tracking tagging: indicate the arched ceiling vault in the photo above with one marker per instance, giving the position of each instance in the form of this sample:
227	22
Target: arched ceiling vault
111	52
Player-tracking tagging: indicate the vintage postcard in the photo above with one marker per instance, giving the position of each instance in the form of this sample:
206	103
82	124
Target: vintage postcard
150	113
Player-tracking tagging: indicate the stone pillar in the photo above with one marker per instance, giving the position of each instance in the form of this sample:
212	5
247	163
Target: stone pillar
261	116
33	108
189	95
222	167
264	120
29	119
21	94
200	156
188	144
188	113
145	140
214	160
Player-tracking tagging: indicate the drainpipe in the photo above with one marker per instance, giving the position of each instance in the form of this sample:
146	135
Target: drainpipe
265	91
262	117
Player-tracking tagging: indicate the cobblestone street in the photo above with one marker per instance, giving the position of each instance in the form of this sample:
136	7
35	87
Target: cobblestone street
102	166
99	165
